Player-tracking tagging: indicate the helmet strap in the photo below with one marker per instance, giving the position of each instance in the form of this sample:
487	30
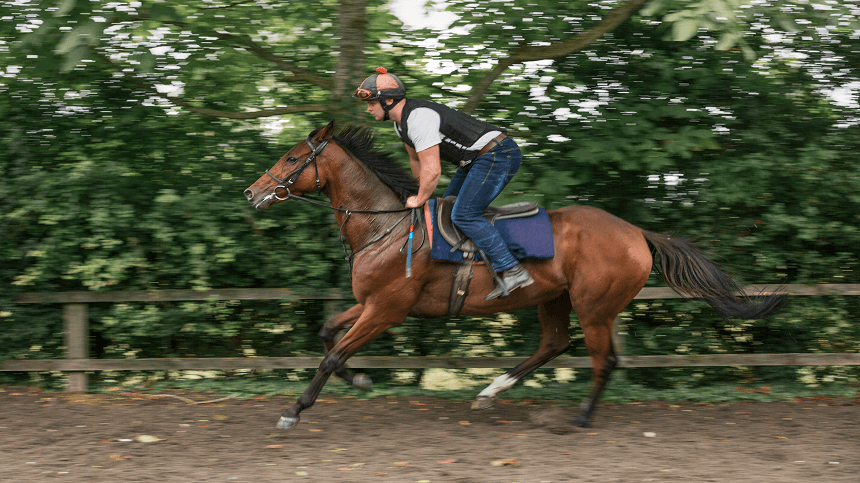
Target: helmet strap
388	107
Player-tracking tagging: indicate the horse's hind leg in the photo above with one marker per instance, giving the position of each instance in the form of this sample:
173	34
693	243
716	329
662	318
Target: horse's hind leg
598	341
332	327
554	319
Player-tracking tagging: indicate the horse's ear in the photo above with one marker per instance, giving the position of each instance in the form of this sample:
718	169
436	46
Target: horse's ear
323	133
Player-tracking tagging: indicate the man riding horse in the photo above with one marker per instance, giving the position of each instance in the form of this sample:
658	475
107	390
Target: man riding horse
486	160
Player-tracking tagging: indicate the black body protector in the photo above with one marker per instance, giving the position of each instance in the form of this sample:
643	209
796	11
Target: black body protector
459	131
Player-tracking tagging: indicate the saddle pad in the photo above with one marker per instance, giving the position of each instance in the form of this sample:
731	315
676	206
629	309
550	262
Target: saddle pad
526	237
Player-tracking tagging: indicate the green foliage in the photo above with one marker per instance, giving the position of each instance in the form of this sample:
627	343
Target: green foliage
699	118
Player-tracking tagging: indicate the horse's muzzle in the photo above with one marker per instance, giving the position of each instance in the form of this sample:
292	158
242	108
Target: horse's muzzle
261	203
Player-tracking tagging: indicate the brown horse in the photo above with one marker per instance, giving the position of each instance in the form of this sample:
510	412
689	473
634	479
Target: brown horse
601	262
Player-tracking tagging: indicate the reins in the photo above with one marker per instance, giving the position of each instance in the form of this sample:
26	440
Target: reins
290	179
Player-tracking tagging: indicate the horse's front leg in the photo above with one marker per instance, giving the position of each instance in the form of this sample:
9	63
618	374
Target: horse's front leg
372	322
328	333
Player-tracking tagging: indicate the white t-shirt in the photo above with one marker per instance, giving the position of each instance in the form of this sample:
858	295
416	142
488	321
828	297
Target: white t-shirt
424	124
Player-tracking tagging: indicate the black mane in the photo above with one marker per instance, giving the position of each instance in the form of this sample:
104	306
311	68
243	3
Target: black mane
360	142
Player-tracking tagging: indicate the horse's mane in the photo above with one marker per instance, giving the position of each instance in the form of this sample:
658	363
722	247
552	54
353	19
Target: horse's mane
359	141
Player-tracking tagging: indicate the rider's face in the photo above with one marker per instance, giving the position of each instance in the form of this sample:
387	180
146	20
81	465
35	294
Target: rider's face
375	110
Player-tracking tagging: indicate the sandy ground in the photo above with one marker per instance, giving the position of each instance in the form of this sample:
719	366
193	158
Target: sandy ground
146	437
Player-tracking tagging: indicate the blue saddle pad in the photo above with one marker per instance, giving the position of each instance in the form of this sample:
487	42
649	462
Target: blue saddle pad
526	237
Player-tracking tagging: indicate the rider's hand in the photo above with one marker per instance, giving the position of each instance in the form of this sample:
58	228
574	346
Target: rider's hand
414	202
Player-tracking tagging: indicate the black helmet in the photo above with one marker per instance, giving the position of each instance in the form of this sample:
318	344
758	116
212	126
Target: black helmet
381	85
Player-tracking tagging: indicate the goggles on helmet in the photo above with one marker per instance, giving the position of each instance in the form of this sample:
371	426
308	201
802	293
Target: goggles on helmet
363	94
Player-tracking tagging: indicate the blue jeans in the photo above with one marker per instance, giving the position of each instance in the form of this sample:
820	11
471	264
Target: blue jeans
476	186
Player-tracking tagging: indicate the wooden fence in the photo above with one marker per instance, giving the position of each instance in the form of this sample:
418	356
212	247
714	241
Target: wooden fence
76	338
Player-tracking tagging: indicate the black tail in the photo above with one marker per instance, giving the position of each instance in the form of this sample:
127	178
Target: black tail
692	275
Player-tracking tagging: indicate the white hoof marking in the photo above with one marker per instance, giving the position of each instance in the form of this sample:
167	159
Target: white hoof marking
287	423
501	384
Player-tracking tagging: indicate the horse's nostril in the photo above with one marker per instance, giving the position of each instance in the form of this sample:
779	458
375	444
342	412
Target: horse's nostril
249	194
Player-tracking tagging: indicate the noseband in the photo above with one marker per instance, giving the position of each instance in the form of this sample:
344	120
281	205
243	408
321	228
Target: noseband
290	178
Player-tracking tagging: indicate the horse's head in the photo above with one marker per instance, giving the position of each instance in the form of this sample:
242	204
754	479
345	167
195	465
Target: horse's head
296	173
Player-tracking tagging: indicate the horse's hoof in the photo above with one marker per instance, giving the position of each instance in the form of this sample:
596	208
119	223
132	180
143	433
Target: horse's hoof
287	423
581	421
362	381
483	402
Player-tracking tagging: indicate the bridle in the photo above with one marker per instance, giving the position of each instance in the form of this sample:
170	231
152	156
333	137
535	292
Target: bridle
291	178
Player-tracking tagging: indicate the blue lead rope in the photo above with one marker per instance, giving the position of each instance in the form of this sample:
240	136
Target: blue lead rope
409	247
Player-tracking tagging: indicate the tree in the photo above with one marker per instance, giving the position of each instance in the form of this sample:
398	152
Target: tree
130	129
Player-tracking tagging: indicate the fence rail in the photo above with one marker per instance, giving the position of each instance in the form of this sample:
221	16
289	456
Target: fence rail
76	337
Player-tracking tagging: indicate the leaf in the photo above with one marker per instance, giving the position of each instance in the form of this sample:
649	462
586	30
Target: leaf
684	29
145	438
728	40
65	8
505	462
274	446
68	42
465	423
749	53
162	11
73	58
147	63
85	34
652	7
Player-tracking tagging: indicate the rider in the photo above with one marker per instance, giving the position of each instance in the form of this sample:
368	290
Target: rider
486	157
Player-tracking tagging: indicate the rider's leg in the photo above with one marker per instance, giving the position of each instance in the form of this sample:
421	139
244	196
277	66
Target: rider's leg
487	176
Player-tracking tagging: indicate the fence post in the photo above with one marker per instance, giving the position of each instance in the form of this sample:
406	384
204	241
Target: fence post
618	330
76	335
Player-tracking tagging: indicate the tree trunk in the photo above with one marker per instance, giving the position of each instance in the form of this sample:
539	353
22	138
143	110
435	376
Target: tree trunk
352	20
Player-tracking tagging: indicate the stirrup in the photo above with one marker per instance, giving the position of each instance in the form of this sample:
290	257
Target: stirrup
511	281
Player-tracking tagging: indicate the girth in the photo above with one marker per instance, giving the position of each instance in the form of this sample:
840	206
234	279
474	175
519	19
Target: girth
458	241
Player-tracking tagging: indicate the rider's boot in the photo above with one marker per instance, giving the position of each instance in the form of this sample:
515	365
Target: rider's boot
511	279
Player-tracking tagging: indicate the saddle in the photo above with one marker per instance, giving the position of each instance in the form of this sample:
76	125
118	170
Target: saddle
459	241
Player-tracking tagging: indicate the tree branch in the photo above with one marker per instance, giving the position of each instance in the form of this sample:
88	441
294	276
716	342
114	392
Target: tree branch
298	73
553	51
279	111
219	7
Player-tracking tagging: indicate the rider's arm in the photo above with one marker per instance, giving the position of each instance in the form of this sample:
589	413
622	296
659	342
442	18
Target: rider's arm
414	163
427	167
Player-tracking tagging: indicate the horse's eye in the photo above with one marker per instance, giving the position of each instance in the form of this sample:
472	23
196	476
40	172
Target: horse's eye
291	160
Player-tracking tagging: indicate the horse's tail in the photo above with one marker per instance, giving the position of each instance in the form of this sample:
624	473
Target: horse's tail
692	275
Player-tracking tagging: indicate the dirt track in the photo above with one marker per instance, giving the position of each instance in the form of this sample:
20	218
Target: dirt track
94	438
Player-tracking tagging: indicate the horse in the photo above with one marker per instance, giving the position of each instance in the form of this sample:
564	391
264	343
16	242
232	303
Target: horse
601	262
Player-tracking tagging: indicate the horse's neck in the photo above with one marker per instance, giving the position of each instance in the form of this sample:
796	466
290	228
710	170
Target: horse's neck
356	188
